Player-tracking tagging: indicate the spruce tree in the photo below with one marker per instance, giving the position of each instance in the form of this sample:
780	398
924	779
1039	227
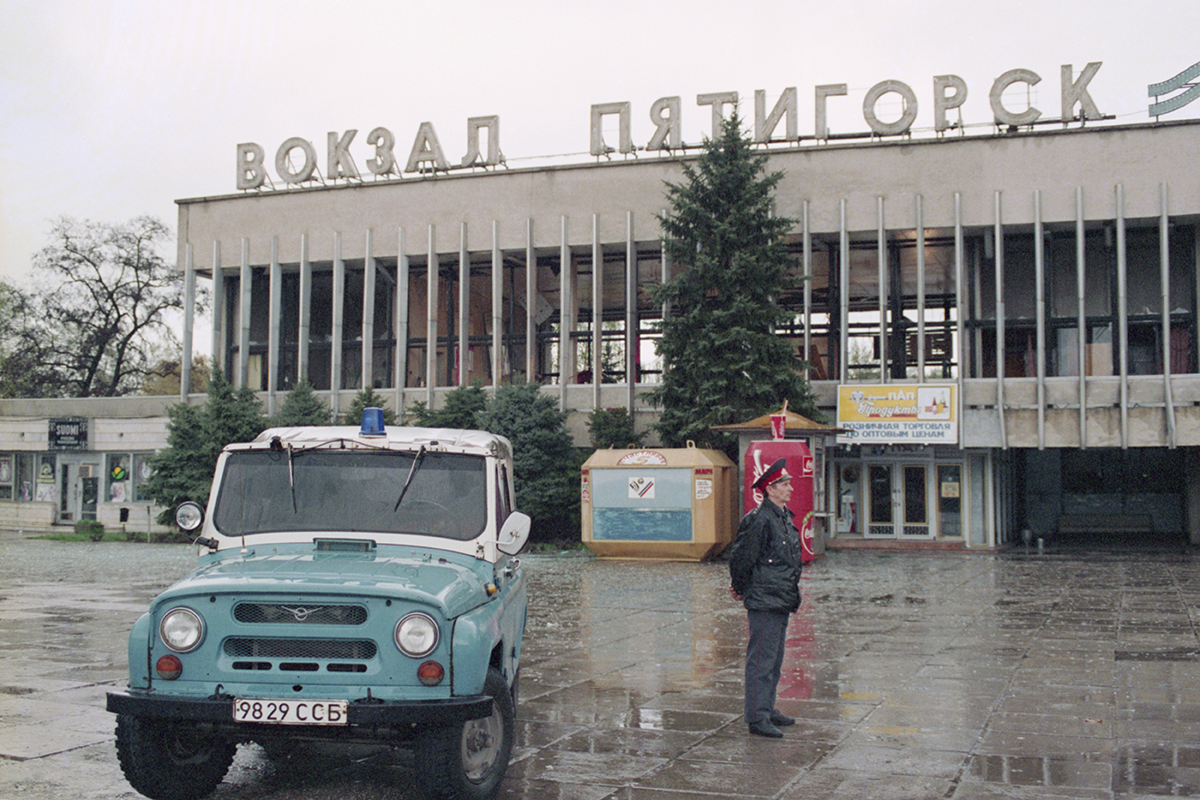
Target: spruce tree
367	398
722	361
545	462
302	407
613	427
195	438
460	410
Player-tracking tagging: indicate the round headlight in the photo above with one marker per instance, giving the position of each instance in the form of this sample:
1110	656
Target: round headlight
417	635
181	630
188	516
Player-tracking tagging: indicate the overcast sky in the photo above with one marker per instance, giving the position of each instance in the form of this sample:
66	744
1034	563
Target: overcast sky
110	110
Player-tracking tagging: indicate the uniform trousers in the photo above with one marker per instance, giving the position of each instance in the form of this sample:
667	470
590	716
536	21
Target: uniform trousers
764	661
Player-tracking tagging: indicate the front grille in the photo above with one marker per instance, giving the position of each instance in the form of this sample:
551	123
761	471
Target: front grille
297	613
355	649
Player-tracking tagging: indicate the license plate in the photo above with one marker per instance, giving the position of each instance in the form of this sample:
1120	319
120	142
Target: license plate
290	712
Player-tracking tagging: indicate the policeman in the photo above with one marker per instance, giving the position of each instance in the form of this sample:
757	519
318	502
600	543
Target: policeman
764	567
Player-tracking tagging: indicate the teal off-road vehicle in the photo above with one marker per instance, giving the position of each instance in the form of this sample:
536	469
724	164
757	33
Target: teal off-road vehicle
353	585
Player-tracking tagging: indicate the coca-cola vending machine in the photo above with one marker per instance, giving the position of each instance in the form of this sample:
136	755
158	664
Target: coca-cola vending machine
760	456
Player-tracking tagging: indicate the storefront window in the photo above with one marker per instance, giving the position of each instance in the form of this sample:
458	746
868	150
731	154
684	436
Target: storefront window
44	480
950	492
7	476
127	474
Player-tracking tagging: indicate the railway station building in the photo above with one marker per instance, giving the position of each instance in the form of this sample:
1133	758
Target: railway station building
1002	318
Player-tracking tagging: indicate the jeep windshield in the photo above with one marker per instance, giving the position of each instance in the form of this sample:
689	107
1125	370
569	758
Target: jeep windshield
334	490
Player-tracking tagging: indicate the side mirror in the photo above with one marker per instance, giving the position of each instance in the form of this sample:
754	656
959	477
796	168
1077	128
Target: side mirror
513	534
189	516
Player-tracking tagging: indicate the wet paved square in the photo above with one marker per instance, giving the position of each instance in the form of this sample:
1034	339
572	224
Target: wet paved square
967	677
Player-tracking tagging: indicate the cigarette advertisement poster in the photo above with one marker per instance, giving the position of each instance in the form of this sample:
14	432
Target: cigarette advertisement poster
897	414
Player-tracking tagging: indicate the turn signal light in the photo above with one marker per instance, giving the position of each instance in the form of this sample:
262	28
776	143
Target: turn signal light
431	673
169	668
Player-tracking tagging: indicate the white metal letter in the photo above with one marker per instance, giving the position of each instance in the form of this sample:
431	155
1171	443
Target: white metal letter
718	101
943	102
426	147
494	156
340	164
624	112
823	91
1076	92
384	162
282	158
250	172
668	126
1003	115
764	125
906	117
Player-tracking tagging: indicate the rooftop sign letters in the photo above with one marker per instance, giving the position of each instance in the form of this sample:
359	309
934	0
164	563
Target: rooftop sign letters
295	160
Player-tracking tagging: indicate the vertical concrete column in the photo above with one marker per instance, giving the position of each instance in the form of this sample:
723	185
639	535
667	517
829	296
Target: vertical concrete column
432	286
1081	306
274	293
218	312
401	333
464	305
998	238
959	310
1123	316
497	305
806	270
530	304
189	323
304	331
244	317
843	295
339	301
597	309
1039	272
566	302
1164	254
920	215
632	338
368	313
665	277
881	255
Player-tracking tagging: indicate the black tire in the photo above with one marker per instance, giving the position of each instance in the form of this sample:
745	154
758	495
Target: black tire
468	762
167	761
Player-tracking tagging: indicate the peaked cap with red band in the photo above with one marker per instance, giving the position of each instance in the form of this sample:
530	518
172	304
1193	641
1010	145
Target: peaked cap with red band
775	472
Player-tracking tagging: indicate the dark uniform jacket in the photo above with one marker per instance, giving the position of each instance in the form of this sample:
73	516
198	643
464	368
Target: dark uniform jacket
764	561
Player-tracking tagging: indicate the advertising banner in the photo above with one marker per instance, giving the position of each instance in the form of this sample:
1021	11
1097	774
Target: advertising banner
897	414
760	456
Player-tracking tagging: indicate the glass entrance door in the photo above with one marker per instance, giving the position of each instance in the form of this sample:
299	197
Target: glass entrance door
898	500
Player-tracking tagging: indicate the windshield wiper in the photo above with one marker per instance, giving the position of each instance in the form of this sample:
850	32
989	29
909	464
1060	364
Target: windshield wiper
412	470
292	477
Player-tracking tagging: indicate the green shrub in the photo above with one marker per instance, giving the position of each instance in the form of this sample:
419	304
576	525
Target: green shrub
92	528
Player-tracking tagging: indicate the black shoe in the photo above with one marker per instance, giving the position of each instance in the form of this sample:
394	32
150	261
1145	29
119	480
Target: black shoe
781	720
765	728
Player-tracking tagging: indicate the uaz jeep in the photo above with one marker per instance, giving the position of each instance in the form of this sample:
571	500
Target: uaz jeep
355	585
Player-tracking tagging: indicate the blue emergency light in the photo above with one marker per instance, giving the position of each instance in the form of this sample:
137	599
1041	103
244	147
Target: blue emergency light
372	422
